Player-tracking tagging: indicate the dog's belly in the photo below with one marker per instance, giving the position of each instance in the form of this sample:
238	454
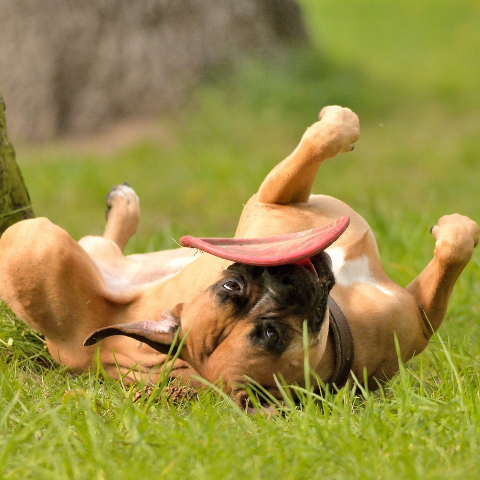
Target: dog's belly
148	269
126	275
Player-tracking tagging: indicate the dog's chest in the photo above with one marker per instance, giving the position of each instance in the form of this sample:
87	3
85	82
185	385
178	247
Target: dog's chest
353	271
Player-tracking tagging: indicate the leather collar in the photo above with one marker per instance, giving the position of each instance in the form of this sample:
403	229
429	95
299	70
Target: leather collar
343	338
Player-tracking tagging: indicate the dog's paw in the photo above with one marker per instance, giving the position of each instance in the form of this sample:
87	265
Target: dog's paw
336	131
345	122
456	236
121	195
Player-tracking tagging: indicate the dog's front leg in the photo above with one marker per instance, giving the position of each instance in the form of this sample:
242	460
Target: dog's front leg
456	236
291	181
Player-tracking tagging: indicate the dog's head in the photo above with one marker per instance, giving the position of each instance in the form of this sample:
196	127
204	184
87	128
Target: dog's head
249	323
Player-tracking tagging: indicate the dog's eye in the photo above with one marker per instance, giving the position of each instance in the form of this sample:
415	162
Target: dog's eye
271	334
231	285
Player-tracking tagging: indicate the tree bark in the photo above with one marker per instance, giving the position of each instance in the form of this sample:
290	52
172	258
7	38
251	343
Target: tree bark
72	66
15	202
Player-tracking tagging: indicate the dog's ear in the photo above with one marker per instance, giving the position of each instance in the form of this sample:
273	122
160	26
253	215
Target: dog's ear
159	335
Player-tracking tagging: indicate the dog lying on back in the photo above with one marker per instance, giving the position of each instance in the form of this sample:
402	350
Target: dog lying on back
242	320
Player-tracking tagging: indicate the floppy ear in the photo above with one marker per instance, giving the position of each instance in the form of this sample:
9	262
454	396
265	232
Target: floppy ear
158	335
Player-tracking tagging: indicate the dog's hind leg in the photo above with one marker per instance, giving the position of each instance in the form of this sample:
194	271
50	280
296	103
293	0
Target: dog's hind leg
456	236
291	181
52	284
123	214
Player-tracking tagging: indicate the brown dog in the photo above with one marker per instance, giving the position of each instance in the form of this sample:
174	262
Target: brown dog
241	320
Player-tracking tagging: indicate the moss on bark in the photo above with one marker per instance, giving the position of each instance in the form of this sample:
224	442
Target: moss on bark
15	202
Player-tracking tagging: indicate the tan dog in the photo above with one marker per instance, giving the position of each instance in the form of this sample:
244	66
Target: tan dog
241	320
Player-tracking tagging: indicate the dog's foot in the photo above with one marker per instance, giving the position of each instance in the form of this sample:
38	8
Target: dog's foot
336	131
121	196
456	236
123	214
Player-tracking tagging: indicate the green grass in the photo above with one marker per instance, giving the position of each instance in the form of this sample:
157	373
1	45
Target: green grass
423	425
411	72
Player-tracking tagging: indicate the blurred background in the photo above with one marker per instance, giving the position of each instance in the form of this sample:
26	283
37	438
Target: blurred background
193	102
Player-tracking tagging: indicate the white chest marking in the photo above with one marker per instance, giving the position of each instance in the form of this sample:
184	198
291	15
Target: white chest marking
352	271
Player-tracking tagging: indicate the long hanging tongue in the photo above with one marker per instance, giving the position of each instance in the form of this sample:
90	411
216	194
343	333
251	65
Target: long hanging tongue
295	248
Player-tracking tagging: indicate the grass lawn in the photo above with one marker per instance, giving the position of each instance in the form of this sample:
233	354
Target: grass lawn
410	70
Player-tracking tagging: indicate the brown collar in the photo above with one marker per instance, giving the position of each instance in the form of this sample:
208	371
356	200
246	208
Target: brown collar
343	344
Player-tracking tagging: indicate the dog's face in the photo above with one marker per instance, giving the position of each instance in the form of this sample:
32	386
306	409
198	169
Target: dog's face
247	324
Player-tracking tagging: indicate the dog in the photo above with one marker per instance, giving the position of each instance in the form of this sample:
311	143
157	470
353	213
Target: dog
235	320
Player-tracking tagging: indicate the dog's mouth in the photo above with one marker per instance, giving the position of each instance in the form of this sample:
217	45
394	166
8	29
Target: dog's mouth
307	263
292	248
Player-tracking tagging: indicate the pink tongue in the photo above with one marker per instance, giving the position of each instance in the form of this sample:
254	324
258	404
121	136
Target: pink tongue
295	248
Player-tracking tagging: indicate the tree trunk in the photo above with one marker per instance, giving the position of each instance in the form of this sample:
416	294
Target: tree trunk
14	199
74	66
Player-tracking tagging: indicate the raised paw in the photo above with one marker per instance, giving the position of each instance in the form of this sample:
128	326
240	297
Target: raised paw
121	196
123	214
456	236
336	131
344	122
